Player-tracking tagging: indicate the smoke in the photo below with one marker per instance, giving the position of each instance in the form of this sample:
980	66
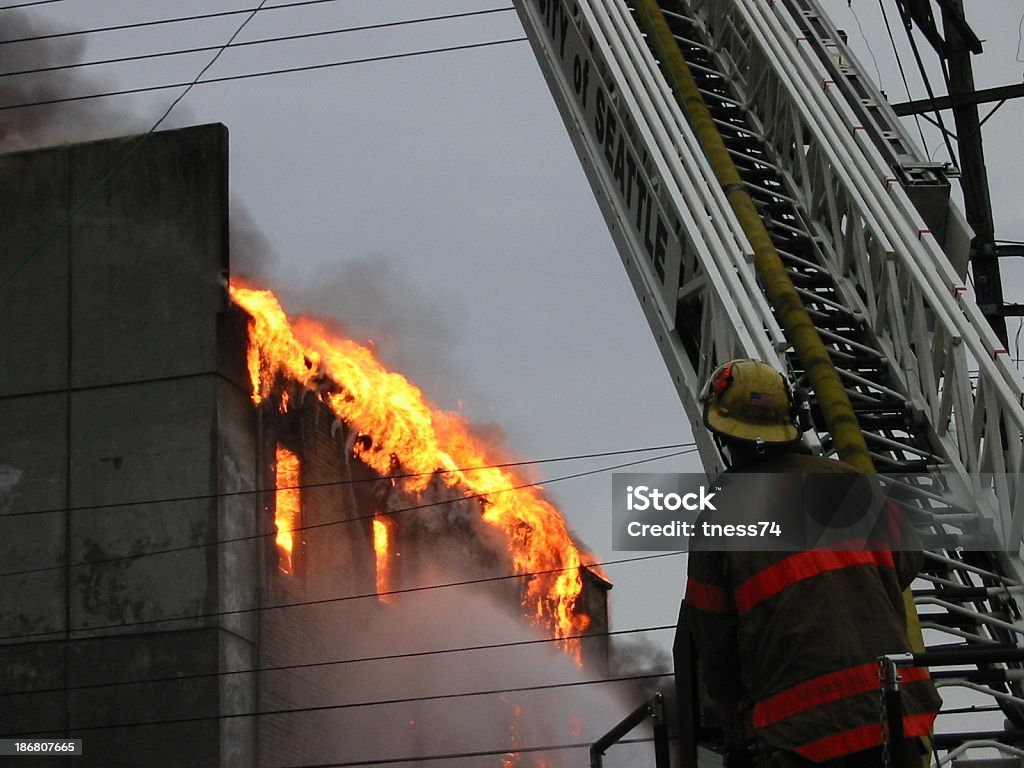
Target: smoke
370	299
414	707
646	664
32	127
640	658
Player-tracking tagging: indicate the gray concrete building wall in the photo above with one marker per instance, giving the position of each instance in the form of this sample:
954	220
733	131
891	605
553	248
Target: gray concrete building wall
119	385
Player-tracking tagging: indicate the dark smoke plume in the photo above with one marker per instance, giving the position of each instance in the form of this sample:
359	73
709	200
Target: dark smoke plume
32	127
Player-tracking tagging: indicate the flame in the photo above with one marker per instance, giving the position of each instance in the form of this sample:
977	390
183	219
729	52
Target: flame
512	758
381	537
404	429
287	503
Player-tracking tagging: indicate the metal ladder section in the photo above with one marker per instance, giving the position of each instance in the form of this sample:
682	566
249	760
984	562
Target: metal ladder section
902	330
968	598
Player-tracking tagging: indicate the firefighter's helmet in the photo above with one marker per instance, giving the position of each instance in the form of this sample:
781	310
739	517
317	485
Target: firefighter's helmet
748	400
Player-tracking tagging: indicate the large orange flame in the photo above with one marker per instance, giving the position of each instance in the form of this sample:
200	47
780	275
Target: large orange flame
403	428
287	503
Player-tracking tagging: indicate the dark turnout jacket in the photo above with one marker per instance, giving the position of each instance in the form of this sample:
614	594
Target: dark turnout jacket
789	640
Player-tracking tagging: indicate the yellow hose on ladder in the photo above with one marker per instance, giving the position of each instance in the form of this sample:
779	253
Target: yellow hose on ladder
796	322
793	316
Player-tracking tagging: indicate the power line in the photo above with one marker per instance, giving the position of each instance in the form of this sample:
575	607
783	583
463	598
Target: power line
331	523
908	28
351	481
261	41
266	73
903	74
465	755
26	5
867	43
329	600
340	662
159	22
1020	38
61	225
1016	342
5	279
332	600
361	704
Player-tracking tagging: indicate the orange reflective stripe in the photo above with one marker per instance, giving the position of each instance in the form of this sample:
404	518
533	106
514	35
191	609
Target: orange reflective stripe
865	737
800	566
821	690
706	597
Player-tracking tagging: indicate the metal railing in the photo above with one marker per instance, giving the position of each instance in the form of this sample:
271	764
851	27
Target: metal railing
654	710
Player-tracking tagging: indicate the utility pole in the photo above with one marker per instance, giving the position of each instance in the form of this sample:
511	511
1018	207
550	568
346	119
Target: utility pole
974	178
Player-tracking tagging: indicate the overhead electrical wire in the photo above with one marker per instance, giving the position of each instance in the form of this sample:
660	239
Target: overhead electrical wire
903	74
136	145
265	73
159	22
28	4
358	704
331	600
5	279
342	662
908	28
330	523
260	41
867	43
466	755
1020	38
1016	342
127	504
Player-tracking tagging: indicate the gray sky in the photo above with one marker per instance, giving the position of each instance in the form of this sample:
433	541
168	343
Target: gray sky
437	203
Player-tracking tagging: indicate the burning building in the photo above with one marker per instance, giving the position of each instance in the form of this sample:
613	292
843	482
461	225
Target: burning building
208	510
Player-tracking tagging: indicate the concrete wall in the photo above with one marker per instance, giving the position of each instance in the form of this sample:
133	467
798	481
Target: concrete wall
121	381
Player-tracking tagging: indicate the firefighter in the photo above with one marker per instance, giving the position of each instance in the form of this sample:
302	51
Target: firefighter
787	642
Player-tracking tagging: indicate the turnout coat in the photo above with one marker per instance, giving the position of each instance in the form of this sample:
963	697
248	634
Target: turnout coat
788	641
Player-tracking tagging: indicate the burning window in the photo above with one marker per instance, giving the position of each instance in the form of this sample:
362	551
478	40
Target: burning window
287	505
381	539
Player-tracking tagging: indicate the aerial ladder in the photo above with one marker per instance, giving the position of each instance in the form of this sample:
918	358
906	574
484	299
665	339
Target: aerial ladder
715	131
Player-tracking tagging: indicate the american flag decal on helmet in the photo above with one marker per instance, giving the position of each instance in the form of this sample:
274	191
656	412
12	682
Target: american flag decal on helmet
762	399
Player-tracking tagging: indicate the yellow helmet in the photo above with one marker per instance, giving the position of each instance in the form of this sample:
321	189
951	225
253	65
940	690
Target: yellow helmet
750	401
